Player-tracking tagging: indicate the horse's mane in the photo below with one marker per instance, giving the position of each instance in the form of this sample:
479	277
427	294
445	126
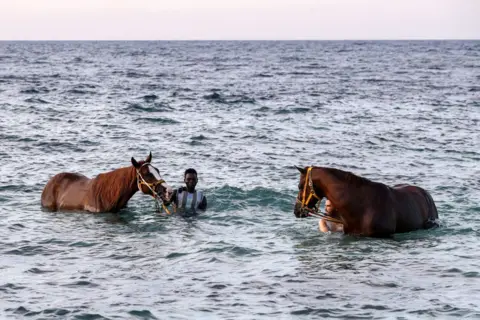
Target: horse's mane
110	187
349	177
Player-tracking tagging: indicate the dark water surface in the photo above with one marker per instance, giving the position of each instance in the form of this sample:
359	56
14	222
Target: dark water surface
242	114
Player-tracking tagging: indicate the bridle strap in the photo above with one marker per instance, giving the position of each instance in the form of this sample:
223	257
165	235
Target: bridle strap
308	181
151	186
313	212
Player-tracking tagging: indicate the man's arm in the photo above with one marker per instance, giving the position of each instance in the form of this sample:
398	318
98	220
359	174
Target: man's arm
322	225
203	204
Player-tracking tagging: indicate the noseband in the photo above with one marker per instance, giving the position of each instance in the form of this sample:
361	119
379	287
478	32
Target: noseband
312	212
151	186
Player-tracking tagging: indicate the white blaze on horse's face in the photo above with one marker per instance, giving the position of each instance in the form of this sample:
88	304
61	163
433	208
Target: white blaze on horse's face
154	171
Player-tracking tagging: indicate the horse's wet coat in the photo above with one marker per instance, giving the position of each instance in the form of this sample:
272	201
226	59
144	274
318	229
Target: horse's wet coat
366	207
108	192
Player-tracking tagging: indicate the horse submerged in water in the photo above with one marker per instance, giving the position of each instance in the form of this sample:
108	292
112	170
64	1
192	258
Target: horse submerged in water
365	207
107	192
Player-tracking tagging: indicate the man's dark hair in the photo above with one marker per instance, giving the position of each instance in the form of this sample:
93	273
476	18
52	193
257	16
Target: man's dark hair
190	170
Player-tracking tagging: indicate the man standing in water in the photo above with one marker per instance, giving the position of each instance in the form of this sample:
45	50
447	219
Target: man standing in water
325	225
187	199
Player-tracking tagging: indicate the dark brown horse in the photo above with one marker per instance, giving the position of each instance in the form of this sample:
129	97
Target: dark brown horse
365	207
107	192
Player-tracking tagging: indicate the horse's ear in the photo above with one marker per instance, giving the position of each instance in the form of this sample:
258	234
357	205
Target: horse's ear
149	158
302	171
135	163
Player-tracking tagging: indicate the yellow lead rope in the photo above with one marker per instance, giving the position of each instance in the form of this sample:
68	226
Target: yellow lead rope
154	193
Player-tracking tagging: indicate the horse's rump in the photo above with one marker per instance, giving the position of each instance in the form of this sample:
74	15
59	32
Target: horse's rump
57	186
413	203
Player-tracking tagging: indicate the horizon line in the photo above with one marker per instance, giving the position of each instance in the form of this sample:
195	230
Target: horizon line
239	40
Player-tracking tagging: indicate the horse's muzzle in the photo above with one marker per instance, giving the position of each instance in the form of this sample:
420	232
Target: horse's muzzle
299	211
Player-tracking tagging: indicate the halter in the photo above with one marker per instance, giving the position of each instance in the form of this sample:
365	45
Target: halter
314	212
151	186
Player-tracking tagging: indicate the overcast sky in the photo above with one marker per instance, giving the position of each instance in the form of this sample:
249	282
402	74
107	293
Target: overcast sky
238	19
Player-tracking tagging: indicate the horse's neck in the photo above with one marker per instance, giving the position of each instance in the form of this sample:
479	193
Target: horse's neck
341	193
115	188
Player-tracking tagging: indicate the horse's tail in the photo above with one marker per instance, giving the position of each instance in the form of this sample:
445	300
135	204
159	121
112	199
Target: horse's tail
49	195
432	220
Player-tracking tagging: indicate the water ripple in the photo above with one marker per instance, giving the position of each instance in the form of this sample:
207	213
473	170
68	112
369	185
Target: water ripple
242	114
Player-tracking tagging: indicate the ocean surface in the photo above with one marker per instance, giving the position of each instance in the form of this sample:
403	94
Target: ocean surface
242	114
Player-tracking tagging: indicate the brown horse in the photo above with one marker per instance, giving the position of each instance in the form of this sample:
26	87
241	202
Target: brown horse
365	207
107	192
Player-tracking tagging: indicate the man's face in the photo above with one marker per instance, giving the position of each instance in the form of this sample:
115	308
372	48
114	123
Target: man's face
328	207
191	180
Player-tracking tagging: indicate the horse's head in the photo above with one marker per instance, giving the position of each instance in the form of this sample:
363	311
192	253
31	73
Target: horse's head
308	197
150	181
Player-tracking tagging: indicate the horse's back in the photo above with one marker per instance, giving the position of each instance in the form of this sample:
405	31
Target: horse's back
57	186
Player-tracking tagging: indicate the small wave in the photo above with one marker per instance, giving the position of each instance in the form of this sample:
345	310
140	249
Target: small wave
36	100
35	90
142	314
267	97
471	274
2	57
324	313
217	97
313	66
80	91
156	107
81	283
263	75
196	143
150	97
9	287
262	109
85	86
31	251
301	73
38	271
16	227
140	53
55	312
82	244
199	138
9	137
59	146
293	110
136	75
11	77
384	284
41	62
139	107
157	120
214	96
374	307
90	316
174	255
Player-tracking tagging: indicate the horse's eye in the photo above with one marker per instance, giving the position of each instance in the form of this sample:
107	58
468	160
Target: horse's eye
299	187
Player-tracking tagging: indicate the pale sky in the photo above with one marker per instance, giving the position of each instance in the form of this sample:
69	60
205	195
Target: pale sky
238	19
